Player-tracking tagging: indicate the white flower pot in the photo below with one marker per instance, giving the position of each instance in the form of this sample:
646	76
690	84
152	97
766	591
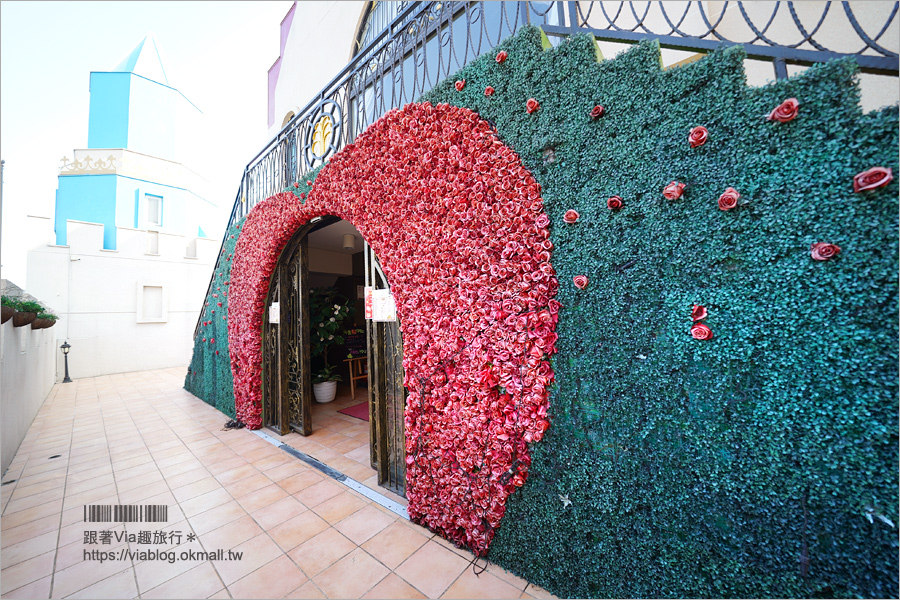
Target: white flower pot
325	391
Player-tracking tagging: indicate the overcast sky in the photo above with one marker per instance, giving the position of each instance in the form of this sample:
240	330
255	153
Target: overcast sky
216	53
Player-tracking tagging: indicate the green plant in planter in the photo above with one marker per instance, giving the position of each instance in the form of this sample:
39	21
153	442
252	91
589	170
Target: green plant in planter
29	307
327	312
9	301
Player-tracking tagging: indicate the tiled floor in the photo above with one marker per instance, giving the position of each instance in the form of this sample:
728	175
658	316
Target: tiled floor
139	438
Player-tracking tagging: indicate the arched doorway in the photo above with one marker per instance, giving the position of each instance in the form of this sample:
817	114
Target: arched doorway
458	225
314	260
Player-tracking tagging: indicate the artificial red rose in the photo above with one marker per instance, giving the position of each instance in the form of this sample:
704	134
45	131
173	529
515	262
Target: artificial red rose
784	112
698	312
488	91
571	216
531	106
674	190
699	331
296	185
597	112
501	56
729	199
698	136
823	251
460	85
580	281
614	203
875	177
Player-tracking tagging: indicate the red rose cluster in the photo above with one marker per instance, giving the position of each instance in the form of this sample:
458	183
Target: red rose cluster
458	225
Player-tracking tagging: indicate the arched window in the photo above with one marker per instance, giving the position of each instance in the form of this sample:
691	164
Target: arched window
376	18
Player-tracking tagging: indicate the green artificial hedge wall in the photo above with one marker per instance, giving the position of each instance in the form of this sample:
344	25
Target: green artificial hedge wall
761	462
209	376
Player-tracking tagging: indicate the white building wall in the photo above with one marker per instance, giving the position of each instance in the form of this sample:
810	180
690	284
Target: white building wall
27	374
103	307
318	46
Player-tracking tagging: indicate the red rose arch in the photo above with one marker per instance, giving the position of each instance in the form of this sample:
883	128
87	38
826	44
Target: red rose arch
458	225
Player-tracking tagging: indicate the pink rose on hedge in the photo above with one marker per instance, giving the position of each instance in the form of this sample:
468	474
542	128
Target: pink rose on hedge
571	216
728	199
501	56
786	111
460	85
614	203
674	190
488	91
597	112
698	136
875	177
823	251
699	331
581	281
698	312
531	106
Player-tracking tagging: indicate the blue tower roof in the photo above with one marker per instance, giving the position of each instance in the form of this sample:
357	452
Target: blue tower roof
144	60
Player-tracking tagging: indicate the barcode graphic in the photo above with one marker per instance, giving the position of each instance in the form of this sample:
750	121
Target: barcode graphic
126	513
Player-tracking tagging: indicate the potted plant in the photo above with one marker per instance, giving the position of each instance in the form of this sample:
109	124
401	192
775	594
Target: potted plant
26	312
327	312
9	308
44	320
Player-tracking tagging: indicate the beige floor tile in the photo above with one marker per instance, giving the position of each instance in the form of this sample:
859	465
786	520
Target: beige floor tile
236	474
199	582
144	480
297	530
224	461
197	488
469	585
204	502
247	485
230	535
394	544
510	578
34	513
364	524
432	569
319	492
176	481
393	587
352	576
256	552
84	574
279	460
282	471
538	592
217	517
153	573
26	571
307	591
120	585
91	496
35	589
278	512
339	507
29	491
30	548
273	580
321	551
300	481
262	497
221	594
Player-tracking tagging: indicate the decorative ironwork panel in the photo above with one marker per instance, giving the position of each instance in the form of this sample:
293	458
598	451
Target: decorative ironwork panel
387	394
271	343
410	47
286	383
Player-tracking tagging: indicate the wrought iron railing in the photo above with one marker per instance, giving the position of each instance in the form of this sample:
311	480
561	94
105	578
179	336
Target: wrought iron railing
428	41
